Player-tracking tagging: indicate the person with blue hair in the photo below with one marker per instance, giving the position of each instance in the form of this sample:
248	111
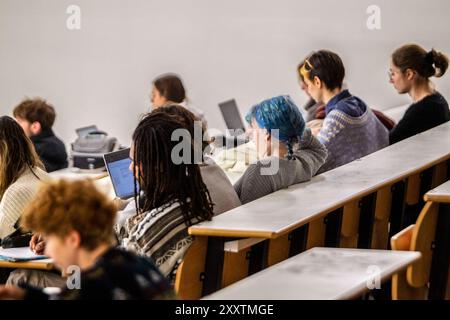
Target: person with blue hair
287	152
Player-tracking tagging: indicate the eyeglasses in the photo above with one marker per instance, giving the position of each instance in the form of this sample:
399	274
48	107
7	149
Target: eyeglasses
390	74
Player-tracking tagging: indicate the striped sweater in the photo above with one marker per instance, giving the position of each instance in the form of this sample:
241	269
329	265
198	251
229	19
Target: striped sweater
16	197
160	234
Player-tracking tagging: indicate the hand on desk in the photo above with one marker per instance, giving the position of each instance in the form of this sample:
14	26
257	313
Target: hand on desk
11	293
37	244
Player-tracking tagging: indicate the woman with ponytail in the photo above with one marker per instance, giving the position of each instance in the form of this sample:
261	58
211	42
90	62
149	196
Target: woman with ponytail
411	69
287	153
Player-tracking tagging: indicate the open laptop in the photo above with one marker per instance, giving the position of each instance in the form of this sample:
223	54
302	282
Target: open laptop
232	117
118	166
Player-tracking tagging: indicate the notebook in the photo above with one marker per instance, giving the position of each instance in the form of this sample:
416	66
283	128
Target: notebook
19	254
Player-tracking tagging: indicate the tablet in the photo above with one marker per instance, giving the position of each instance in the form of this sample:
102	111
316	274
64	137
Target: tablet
118	166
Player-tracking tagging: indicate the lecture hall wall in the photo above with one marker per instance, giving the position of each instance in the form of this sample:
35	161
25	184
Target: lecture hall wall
242	49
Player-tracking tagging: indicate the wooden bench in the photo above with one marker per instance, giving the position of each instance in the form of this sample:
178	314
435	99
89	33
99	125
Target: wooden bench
321	274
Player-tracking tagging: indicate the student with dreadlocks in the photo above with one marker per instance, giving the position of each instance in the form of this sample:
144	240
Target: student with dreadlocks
172	198
279	133
20	174
219	186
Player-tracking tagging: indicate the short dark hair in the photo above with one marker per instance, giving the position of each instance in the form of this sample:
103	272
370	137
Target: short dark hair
170	87
327	66
36	110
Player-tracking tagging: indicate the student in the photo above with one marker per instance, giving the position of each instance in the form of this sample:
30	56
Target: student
21	171
350	129
299	155
173	195
37	117
76	221
169	89
411	69
220	188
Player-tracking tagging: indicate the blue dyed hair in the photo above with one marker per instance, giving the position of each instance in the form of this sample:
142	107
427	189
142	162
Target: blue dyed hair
279	113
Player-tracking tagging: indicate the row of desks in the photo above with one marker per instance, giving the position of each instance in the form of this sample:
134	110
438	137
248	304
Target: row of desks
335	273
290	210
280	212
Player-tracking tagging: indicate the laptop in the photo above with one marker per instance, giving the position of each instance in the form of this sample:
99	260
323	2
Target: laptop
118	166
232	117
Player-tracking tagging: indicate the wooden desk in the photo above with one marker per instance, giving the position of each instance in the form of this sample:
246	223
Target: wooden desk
282	211
289	210
439	194
320	273
44	264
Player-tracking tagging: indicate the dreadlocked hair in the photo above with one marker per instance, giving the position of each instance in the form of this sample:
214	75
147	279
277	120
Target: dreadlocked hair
161	180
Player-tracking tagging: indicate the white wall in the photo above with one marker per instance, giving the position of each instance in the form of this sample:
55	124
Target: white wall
246	49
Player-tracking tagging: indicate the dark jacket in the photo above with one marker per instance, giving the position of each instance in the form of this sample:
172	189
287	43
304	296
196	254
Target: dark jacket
117	275
51	150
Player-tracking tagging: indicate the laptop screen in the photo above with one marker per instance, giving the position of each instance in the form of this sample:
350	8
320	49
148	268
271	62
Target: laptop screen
232	117
118	164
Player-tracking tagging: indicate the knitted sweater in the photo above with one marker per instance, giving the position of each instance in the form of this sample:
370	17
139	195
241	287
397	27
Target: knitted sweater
16	197
160	234
349	138
310	155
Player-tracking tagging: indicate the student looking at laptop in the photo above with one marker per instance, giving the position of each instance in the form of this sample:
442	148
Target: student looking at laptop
173	195
37	117
220	188
298	153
